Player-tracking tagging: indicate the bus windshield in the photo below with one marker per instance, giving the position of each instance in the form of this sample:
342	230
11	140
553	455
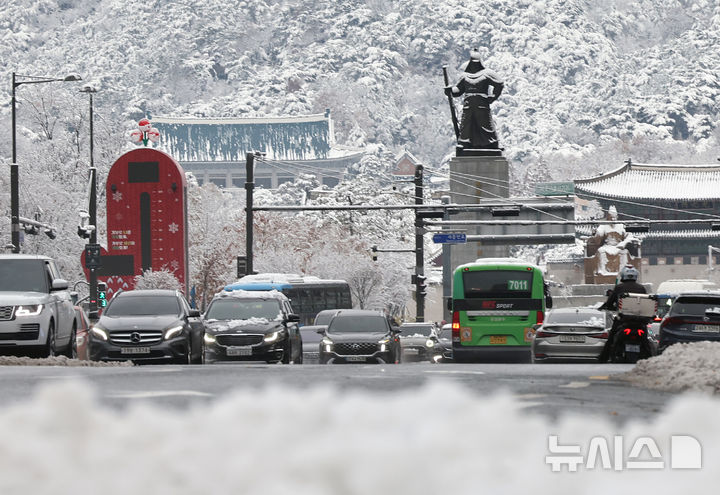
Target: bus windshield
497	284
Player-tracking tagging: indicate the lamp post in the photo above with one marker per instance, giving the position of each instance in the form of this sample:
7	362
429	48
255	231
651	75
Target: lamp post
92	210
18	80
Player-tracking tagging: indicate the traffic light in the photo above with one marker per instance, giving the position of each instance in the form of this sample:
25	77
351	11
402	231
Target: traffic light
419	282
374	252
92	256
102	294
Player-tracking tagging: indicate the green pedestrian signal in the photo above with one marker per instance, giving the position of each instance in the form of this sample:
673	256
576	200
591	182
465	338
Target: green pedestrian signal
102	294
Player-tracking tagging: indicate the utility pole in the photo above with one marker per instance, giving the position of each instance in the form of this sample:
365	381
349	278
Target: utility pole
419	248
249	188
93	309
447	267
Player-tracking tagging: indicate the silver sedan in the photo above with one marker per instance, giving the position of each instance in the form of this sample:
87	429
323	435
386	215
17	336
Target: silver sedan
571	334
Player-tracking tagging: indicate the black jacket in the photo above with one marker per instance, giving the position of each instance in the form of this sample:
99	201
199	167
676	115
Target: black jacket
622	288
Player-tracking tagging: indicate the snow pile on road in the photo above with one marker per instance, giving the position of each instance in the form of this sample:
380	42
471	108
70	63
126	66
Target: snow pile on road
440	438
694	366
56	361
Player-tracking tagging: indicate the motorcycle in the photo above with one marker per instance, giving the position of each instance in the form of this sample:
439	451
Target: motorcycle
630	341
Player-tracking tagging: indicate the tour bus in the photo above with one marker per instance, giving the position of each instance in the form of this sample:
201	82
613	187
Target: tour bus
495	304
308	295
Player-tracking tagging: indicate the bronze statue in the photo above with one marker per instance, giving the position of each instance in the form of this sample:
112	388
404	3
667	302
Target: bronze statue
481	87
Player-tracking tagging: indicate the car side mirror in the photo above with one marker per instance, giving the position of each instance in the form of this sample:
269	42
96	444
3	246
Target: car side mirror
321	329
293	318
194	313
548	302
395	330
59	284
536	326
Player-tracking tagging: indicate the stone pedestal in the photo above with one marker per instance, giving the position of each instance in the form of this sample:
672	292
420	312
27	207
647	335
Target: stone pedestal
473	178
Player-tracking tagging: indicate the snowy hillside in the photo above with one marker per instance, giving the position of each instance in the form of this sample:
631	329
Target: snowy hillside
587	82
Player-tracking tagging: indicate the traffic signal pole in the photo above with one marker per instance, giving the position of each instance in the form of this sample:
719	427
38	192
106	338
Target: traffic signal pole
419	248
249	188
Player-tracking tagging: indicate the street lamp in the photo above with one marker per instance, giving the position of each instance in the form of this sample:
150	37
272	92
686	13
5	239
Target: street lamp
18	80
92	212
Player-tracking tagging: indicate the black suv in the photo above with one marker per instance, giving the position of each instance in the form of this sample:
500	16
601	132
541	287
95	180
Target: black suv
150	325
693	317
252	326
356	335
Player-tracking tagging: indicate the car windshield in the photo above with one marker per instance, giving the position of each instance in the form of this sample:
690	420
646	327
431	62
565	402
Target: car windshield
23	276
696	306
410	330
324	317
360	323
143	305
446	333
585	318
243	309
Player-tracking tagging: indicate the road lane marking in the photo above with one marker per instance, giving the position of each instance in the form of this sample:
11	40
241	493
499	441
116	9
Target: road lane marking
450	372
156	394
576	385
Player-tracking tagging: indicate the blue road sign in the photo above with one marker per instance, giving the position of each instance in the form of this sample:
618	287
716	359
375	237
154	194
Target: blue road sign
450	238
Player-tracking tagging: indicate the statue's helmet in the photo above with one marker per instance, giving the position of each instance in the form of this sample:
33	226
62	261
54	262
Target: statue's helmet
612	213
475	63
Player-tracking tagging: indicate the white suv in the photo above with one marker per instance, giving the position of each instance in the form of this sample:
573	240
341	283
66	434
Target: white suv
36	310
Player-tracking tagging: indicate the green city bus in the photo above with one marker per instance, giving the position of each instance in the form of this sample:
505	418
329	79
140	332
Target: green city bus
495	304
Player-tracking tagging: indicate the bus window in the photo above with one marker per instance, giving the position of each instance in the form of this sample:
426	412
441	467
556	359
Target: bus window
331	299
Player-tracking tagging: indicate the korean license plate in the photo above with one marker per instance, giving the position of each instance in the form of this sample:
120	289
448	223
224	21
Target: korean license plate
354	358
498	339
410	351
239	351
707	328
572	338
134	350
632	348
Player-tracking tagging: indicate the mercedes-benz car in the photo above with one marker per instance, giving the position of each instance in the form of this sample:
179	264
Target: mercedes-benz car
149	325
418	341
37	315
359	336
251	326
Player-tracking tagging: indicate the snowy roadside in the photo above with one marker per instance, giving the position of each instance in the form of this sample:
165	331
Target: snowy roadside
56	361
681	367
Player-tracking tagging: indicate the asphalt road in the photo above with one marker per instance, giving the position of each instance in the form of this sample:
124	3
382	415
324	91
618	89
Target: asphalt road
547	389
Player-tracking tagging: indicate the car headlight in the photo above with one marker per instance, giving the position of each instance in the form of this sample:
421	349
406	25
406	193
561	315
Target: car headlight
272	337
29	310
99	332
173	332
209	338
430	343
327	343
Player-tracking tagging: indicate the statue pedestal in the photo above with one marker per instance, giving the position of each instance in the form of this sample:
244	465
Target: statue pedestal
474	178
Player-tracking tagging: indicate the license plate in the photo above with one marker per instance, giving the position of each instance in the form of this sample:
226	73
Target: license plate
498	339
572	338
632	348
354	358
134	350
411	351
239	351
707	328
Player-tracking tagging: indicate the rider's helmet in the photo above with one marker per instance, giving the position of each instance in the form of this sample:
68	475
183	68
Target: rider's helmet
628	273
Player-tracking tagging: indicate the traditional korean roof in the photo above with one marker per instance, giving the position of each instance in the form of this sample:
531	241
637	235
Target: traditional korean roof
307	137
655	182
679	234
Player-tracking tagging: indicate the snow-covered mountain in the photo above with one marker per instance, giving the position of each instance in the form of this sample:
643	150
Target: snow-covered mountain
588	82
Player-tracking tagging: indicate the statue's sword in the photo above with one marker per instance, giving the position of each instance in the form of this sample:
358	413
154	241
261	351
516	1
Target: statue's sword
452	104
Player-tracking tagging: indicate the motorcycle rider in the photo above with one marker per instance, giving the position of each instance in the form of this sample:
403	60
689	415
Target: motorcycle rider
628	284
